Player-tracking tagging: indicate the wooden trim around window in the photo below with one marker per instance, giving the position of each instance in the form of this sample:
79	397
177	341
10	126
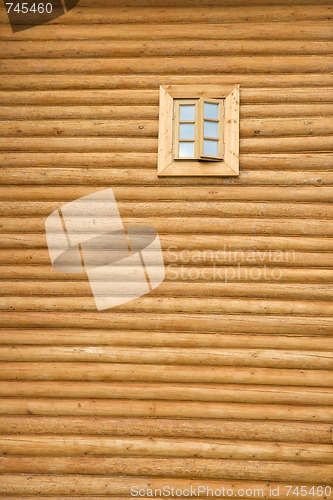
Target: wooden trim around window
167	165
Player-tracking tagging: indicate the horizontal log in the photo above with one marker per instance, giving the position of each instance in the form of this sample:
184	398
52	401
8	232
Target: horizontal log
114	144
100	159
62	497
150	112
197	274
176	392
145	447
248	323
279	358
182	208
166	467
292	111
186	193
249	162
177	47
18	485
303	432
150	97
85	497
81	128
285	127
245	225
277	110
306	291
282	144
126	81
253	13
88	97
175	65
178	257
81	337
278	30
196	3
161	409
287	162
147	176
93	371
148	146
87	112
148	128
285	96
201	243
193	305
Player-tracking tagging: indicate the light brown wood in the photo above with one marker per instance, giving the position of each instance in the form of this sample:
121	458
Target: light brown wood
174	467
175	392
276	29
96	178
104	446
300	432
102	81
79	128
215	208
163	373
287	227
119	97
262	290
151	65
178	356
119	125
119	486
230	274
248	323
176	47
242	193
218	377
162	409
83	337
146	15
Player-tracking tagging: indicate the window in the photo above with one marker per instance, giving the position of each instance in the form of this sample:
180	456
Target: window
199	131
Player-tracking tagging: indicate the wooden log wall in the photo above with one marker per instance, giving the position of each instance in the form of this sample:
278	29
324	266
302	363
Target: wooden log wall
221	376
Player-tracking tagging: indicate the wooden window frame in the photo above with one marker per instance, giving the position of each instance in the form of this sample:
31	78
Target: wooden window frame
168	165
220	121
176	133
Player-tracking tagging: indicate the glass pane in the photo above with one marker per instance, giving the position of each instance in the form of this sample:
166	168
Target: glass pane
186	131
187	113
186	150
211	111
210	148
211	129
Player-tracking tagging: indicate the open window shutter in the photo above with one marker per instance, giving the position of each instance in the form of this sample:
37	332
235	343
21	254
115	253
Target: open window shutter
211	113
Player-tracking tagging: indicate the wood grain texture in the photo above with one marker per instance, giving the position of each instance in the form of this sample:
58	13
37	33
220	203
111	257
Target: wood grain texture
221	376
115	486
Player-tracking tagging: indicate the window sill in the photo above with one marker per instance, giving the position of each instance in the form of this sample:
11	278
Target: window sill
197	169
